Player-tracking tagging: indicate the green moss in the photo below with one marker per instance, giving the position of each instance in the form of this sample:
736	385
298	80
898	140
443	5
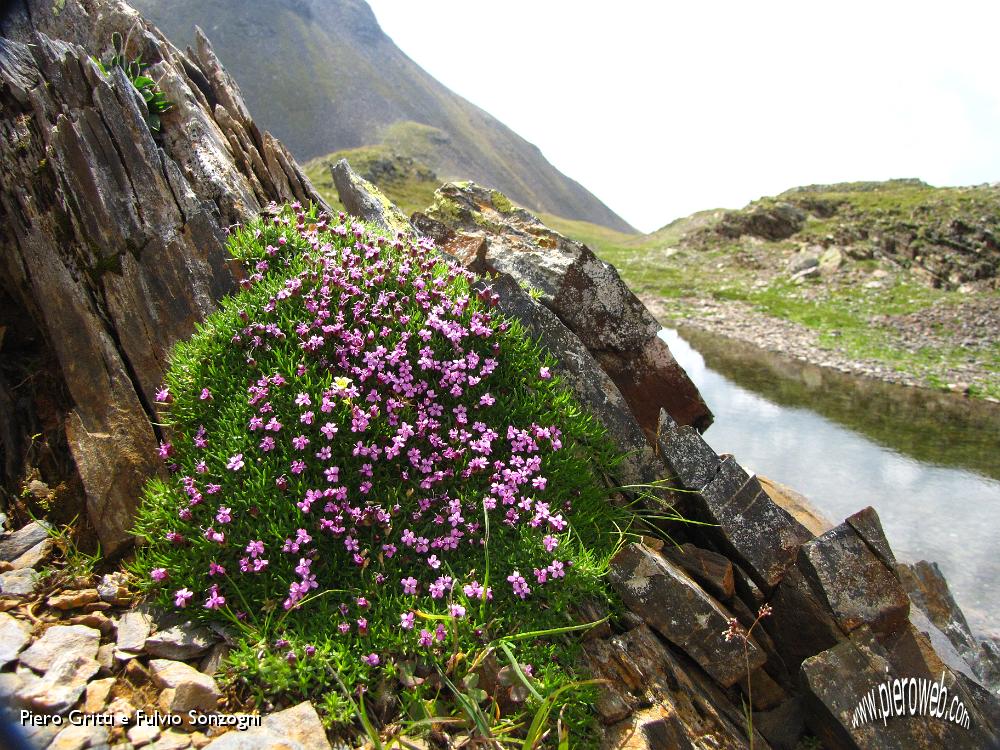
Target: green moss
501	202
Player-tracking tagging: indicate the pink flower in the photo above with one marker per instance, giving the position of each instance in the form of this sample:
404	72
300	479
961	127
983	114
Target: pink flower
409	585
163	396
206	395
224	515
434	562
182	597
549	542
215	600
544	373
425	639
159	574
372	660
166	450
235	462
406	621
519	585
440	632
457	611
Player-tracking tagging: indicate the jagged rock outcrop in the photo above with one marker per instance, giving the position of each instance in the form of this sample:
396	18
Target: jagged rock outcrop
489	235
113	242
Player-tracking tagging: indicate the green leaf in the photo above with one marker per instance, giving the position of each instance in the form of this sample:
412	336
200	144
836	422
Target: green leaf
153	120
142	82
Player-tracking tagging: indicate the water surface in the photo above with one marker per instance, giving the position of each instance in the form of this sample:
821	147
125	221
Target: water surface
843	453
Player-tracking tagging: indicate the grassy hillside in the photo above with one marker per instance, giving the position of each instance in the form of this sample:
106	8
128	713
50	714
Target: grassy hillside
322	76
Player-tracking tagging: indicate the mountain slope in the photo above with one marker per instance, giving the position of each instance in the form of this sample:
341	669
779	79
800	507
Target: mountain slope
322	76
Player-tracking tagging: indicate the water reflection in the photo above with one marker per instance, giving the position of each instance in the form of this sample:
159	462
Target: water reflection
932	512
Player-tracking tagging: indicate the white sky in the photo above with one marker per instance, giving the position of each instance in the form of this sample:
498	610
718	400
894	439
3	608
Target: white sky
665	108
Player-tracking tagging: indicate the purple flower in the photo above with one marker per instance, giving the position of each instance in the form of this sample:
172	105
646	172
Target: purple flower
214	569
406	621
457	611
182	597
206	395
372	660
215	600
426	639
163	396
159	574
434	562
549	542
544	373
166	450
440	632
519	585
235	462
224	515
409	585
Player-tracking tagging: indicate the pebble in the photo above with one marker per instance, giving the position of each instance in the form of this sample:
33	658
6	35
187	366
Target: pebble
14	635
21	582
12	546
73	599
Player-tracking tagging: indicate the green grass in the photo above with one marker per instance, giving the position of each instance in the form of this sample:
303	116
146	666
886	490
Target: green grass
296	650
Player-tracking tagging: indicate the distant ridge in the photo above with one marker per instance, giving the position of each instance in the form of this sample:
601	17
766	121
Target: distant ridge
323	76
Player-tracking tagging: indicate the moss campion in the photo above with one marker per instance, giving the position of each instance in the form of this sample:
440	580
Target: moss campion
359	444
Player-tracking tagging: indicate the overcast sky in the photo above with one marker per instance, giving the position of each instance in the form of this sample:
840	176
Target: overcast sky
665	108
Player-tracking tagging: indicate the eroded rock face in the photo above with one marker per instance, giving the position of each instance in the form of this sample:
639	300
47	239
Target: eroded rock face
113	241
489	235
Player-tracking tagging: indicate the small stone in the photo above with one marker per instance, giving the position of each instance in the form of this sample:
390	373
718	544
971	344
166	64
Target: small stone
133	630
136	672
21	582
180	642
119	708
35	556
191	689
97	695
62	685
214	658
106	656
80	736
73	599
199	739
74	640
113	588
12	546
171	740
96	620
14	635
143	734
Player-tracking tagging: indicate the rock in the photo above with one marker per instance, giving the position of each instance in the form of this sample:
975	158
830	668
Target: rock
113	588
797	505
106	656
801	622
122	232
844	703
73	599
19	582
14	634
867	525
61	640
143	734
812	272
13	545
588	381
121	709
133	630
672	603
688	709
752	529
364	200
211	662
171	740
97	695
80	736
35	556
584	292
802	261
96	620
710	569
693	462
179	641
781	726
831	260
184	687
62	685
295	728
769	221
857	586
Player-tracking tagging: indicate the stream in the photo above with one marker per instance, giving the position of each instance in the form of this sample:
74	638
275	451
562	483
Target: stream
927	462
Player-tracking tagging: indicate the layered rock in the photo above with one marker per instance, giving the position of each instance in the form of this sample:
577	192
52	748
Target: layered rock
491	236
114	237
